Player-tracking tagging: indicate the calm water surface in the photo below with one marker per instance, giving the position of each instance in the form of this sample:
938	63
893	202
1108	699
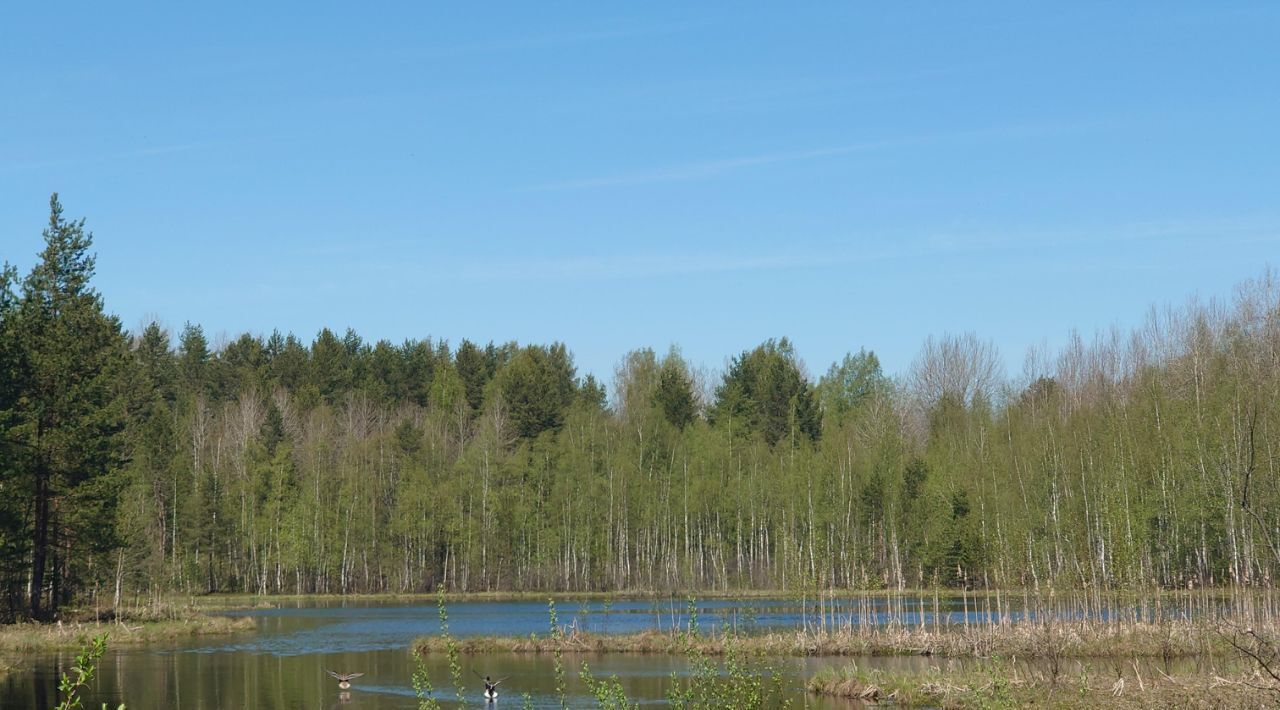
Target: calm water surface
281	664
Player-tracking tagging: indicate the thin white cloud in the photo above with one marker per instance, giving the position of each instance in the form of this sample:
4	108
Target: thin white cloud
630	266
561	39
141	152
1228	231
353	247
713	168
698	171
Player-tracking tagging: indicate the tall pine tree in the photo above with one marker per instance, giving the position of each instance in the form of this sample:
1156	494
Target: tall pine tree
64	425
13	537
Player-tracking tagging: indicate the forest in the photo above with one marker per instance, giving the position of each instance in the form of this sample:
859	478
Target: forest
158	462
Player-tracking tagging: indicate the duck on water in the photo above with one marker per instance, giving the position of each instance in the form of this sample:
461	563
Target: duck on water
491	687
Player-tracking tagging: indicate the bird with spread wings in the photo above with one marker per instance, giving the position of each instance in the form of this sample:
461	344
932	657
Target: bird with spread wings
344	679
490	686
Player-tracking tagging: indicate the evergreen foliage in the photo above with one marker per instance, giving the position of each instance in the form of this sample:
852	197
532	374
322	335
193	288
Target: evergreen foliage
765	392
674	393
62	429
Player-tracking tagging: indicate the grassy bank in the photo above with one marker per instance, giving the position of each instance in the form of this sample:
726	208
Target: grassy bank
130	628
1016	640
998	685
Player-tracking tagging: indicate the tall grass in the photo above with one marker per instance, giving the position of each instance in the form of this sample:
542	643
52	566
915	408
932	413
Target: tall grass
125	632
1048	625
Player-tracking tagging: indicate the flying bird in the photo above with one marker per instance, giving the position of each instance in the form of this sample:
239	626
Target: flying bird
344	679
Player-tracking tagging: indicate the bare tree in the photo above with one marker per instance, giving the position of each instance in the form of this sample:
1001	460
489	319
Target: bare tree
957	366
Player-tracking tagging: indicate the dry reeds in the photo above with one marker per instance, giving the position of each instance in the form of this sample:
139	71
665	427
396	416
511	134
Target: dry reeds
1047	627
991	686
30	637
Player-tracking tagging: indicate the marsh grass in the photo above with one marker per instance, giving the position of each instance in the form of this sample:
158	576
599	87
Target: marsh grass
997	684
1052	641
730	669
1050	627
125	631
738	680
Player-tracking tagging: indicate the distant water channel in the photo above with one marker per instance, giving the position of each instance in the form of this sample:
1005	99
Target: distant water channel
281	664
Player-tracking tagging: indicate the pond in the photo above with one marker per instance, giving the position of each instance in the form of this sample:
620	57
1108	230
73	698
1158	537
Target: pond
282	663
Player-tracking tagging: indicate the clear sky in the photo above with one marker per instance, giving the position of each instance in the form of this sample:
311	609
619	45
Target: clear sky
616	176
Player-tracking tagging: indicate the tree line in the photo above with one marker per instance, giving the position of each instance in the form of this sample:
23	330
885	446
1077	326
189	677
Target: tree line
143	463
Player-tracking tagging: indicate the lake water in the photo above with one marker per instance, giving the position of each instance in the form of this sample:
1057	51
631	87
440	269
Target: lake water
281	664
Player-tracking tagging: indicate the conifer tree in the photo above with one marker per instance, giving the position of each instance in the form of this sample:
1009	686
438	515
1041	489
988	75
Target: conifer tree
68	415
764	391
13	538
674	394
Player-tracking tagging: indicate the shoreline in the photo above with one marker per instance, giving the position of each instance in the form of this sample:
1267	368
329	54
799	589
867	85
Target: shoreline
1000	684
122	632
223	600
1026	640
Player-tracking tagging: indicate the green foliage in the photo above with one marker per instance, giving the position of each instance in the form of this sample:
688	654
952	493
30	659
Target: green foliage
287	360
537	387
421	680
81	675
279	466
764	391
738	684
591	394
330	370
674	393
451	649
475	369
609	694
851	384
14	540
156	370
194	360
964	553
61	424
556	634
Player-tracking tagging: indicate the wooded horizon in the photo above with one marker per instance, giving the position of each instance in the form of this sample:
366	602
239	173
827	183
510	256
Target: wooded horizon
270	465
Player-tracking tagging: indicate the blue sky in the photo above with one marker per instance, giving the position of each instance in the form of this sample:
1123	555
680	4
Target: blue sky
623	176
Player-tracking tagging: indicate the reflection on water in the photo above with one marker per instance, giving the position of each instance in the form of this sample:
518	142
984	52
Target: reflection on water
243	679
282	664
